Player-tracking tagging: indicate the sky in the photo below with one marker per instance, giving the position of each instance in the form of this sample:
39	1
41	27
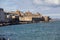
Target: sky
45	7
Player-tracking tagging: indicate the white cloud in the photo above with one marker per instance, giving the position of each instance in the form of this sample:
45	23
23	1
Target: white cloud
55	2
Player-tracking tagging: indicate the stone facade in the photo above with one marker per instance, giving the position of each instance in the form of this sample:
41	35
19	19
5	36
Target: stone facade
25	18
2	16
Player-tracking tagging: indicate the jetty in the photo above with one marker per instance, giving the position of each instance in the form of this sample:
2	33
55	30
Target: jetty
19	17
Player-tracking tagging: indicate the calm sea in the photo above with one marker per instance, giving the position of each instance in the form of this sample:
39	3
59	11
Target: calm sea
35	31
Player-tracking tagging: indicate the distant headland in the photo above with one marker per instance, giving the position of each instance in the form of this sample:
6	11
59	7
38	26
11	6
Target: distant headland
18	17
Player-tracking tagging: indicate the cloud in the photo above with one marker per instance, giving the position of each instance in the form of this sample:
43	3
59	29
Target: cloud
52	15
47	2
56	2
16	4
38	1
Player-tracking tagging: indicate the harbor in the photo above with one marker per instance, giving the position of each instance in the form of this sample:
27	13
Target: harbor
19	17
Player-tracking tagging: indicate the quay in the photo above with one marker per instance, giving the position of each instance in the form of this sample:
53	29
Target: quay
19	17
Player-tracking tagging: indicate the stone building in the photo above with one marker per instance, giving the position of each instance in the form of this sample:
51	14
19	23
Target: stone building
25	18
3	17
18	12
46	18
28	13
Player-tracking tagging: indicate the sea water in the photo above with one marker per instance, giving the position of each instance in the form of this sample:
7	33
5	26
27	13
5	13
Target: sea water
34	31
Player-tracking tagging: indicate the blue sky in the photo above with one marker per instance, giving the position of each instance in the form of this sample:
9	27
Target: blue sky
45	7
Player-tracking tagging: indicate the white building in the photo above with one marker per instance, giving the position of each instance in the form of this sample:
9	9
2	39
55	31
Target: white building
2	16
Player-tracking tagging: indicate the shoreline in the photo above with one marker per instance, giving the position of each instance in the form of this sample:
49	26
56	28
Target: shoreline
14	23
7	24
